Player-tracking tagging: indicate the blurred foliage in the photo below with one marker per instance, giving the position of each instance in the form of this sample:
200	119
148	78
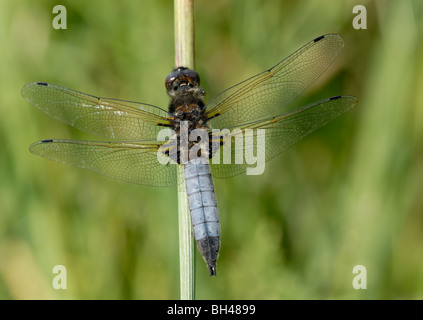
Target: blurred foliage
347	195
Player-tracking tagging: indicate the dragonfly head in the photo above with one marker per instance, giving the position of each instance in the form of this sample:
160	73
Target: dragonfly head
183	81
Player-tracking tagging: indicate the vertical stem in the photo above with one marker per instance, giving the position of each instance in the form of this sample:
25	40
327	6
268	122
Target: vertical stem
184	34
184	56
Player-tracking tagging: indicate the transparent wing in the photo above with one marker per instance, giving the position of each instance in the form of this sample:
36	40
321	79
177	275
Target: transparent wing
134	162
281	132
108	118
269	91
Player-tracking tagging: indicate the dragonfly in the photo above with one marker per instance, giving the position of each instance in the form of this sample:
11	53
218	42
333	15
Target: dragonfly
132	149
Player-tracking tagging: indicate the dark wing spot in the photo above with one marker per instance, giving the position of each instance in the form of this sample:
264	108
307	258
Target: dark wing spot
164	124
42	84
318	38
47	141
335	98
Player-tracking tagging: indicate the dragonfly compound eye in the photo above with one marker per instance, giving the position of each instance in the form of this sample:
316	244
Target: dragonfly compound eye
183	75
193	77
170	79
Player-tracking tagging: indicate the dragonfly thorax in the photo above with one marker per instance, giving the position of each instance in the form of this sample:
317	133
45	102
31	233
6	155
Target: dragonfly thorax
186	104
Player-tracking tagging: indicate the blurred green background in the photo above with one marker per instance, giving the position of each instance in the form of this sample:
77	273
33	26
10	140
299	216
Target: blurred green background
349	194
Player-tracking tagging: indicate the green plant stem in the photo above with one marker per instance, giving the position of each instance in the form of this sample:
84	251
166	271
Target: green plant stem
184	56
184	34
